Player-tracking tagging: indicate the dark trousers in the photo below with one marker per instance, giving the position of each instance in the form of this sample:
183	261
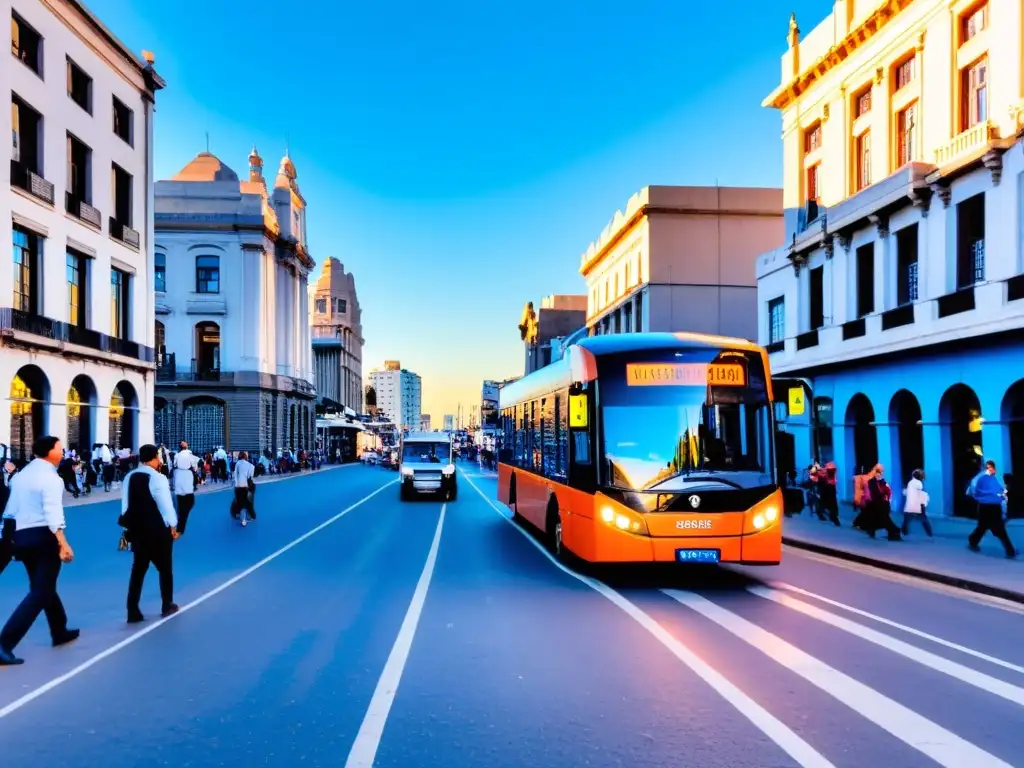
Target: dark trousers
242	502
185	504
159	553
990	518
38	550
922	517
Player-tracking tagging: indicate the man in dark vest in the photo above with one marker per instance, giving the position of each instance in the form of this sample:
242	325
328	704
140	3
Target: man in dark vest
147	513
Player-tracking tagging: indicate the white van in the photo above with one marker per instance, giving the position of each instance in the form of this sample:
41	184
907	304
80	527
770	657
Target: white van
427	465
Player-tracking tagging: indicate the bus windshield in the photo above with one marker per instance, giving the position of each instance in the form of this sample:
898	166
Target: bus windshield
667	426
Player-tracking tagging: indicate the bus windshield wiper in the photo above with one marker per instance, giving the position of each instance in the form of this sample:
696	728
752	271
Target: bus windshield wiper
689	475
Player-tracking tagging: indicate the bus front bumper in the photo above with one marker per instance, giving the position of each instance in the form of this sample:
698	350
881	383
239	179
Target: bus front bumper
614	546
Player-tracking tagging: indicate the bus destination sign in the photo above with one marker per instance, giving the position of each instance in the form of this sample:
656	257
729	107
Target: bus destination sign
685	375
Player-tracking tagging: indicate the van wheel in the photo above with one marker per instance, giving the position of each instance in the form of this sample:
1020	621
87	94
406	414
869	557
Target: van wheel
403	494
453	493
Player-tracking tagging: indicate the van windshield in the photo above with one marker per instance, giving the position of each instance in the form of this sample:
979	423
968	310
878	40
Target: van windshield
427	453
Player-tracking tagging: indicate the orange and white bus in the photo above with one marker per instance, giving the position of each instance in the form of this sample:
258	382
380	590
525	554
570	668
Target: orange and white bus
646	448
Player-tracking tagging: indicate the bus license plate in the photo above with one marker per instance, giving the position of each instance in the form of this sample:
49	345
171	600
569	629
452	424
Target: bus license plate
698	555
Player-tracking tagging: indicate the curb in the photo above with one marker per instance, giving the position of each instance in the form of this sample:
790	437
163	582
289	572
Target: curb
908	570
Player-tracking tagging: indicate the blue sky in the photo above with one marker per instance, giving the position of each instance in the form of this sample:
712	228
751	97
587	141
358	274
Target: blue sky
459	157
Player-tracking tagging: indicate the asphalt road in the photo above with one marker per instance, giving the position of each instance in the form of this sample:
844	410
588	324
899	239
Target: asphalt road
345	628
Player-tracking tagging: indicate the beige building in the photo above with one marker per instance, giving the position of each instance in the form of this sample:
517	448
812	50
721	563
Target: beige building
337	331
682	259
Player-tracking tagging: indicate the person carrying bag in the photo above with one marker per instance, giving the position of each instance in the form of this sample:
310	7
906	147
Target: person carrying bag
245	488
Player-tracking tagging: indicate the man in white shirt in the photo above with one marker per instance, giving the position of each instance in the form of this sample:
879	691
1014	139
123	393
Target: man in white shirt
220	461
148	514
245	488
36	504
185	464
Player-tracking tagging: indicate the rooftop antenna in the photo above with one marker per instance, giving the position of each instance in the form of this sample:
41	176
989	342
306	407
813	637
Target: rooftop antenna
207	142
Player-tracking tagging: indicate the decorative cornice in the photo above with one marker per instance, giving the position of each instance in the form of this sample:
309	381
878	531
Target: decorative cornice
837	54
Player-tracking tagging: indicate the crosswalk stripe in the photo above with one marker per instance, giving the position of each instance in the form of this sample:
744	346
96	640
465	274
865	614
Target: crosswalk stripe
942	746
902	627
964	674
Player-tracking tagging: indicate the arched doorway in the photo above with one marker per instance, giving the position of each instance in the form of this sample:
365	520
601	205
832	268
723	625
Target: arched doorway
122	416
908	437
862	437
204	423
1012	413
960	413
823	423
30	395
81	400
207	361
167	428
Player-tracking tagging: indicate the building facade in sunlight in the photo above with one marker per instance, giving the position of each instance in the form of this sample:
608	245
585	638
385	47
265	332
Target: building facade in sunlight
337	330
399	394
682	259
898	294
559	317
232	315
76	301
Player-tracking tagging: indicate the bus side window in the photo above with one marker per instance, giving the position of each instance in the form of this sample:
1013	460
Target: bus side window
581	446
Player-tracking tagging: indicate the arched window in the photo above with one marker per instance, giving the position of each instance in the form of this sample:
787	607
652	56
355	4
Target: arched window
207	274
160	272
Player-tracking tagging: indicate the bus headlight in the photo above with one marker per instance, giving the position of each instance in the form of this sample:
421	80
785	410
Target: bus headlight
764	518
623	520
759	521
771	514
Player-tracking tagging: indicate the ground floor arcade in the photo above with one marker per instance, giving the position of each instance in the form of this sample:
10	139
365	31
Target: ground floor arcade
943	412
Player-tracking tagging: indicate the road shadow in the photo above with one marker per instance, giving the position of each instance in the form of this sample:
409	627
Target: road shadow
643	576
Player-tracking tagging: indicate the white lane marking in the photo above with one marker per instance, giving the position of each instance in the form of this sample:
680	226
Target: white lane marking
803	753
46	687
364	749
964	674
915	582
902	627
941	745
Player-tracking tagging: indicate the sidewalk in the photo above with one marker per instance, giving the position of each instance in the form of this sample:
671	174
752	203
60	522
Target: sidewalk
98	495
944	558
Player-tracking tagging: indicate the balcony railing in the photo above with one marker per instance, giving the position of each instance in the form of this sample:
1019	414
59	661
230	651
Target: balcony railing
56	330
972	140
31	182
124	233
807	340
897	317
82	210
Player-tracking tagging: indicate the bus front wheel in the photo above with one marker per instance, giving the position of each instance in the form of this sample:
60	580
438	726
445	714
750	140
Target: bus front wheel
555	541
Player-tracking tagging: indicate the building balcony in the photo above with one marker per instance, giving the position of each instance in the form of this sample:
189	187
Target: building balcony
17	321
31	182
83	211
124	234
167	371
966	145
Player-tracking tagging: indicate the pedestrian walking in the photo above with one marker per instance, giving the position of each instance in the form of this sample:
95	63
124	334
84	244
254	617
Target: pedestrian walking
245	488
988	492
7	530
186	479
916	506
147	513
36	504
828	496
877	506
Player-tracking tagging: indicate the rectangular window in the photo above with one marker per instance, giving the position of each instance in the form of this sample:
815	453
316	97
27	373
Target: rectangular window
812	138
865	280
974	94
639	313
817	298
777	320
970	230
906	124
321	306
863	104
27	135
864	160
79	172
905	73
906	265
124	123
160	273
119	285
27	246
79	86
122	194
973	23
26	44
77	266
207	274
812	183
342	306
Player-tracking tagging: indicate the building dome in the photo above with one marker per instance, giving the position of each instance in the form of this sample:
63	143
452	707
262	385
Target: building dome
205	167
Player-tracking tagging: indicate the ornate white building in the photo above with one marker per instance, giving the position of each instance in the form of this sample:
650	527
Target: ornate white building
232	332
76	295
337	328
